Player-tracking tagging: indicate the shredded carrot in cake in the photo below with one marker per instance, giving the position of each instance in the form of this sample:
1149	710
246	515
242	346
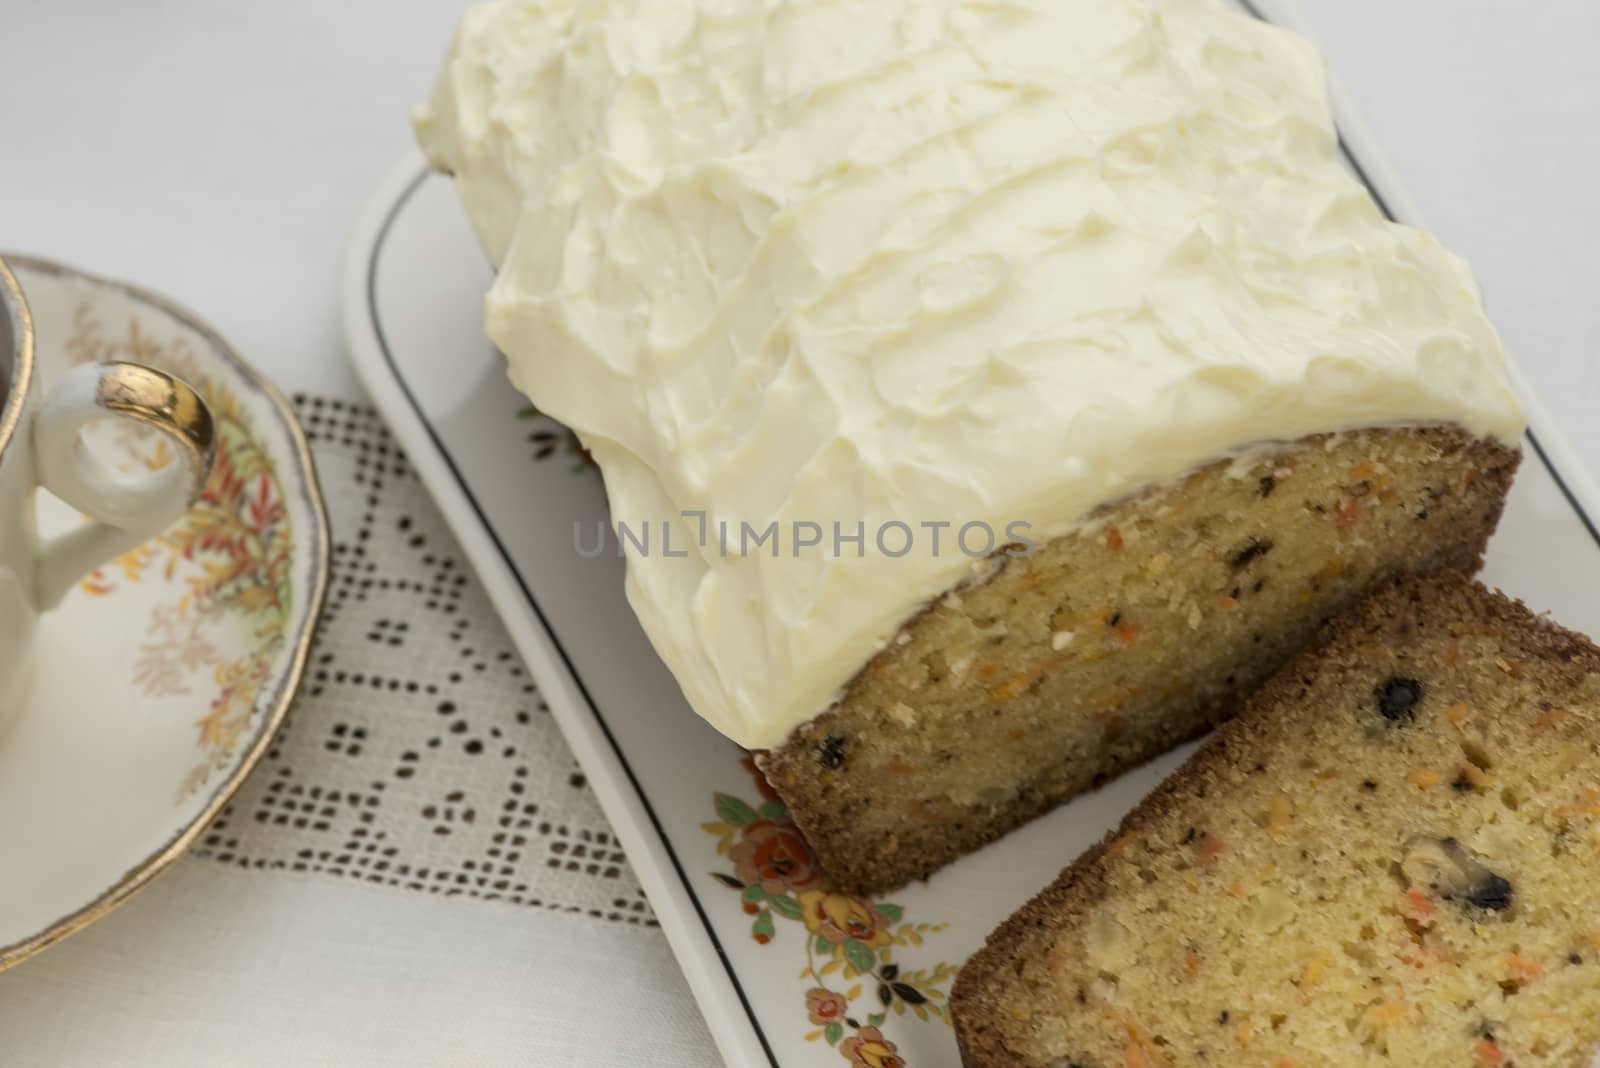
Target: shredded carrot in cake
1009	690
1489	1053
1549	719
1423	778
1418	902
1141	1052
1522	967
1113	539
1456	714
1128	633
1226	603
1143	1056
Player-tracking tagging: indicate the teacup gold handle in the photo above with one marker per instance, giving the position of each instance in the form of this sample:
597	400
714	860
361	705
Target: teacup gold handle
127	509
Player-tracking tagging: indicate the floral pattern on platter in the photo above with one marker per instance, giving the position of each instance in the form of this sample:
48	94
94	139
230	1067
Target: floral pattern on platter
554	439
851	942
229	560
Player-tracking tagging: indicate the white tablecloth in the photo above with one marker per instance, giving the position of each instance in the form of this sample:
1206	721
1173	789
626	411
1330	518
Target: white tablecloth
218	151
221	967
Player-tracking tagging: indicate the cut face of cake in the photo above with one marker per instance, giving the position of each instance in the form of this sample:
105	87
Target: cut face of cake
1118	642
960	346
1392	857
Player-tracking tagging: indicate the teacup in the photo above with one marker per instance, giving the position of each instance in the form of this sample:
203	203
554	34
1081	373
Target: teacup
41	446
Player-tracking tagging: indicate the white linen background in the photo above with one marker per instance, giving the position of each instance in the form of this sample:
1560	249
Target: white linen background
218	152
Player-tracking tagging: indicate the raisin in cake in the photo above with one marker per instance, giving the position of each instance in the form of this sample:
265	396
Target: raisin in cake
1016	384
1392	857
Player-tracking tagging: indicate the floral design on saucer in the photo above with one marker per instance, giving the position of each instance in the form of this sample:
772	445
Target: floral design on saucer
226	565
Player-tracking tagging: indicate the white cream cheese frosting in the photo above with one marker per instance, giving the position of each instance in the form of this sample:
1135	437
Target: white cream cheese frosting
921	261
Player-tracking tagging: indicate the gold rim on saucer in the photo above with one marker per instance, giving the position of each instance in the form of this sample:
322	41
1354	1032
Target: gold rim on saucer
16	392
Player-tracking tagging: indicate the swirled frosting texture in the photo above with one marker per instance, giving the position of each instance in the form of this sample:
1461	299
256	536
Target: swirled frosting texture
921	261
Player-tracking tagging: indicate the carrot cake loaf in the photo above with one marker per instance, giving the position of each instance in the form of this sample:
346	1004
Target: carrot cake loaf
1391	858
1016	384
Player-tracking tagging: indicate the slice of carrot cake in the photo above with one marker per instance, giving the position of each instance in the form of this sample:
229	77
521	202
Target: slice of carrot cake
1391	858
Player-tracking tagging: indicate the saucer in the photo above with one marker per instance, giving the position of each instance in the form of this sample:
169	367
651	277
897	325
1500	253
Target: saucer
160	681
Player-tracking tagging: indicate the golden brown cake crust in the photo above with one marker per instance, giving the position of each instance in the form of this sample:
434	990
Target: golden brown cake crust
1002	991
895	781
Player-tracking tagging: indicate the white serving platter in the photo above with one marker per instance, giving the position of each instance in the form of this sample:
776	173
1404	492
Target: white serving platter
684	804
